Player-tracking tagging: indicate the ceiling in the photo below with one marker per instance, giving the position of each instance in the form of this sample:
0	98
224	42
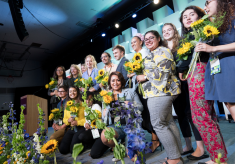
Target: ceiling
64	19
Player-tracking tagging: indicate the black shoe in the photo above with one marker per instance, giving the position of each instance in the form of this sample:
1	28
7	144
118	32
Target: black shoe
202	163
187	152
160	145
191	157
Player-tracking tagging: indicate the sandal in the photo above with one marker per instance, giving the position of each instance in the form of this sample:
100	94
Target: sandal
160	145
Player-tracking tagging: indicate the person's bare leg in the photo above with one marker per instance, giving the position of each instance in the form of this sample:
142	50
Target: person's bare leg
231	108
155	142
199	150
188	143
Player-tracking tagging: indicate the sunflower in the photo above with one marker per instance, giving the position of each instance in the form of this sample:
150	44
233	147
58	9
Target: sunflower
106	79
198	22
51	83
5	162
107	99
69	103
6	143
128	64
51	116
103	93
99	113
55	110
97	77
49	147
76	80
210	30
135	66
90	78
81	79
185	48
137	57
46	86
93	124
8	156
73	109
101	72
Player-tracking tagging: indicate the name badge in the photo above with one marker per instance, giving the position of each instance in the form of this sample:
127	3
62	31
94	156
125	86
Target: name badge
95	133
215	66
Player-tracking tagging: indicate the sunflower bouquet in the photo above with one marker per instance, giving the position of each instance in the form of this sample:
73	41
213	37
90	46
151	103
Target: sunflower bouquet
135	65
84	82
105	97
52	85
56	115
78	82
102	77
92	116
204	31
73	107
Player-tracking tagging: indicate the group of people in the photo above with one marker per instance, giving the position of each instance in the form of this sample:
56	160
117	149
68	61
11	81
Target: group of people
163	86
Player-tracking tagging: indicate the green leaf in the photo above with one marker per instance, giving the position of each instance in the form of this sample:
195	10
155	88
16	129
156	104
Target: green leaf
77	148
109	133
205	16
185	57
100	124
78	162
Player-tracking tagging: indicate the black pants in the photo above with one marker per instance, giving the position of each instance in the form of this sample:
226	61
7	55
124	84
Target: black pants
98	148
146	123
70	139
183	111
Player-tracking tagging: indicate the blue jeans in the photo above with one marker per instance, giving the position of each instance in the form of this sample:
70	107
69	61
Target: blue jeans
120	132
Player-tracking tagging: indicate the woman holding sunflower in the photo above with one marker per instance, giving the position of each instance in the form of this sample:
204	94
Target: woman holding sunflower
92	72
182	103
71	137
203	113
137	43
220	86
117	83
75	74
162	87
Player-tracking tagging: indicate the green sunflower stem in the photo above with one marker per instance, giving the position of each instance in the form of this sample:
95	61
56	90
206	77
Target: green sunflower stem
55	159
122	160
130	82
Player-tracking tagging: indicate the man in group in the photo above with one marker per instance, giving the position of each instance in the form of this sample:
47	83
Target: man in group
108	65
119	54
60	129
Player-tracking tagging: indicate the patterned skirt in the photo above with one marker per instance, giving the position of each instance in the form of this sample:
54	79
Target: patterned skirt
204	116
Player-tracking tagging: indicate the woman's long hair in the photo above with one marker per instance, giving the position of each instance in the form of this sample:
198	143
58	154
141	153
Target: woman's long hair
78	98
176	37
120	77
77	68
228	7
55	76
93	61
200	12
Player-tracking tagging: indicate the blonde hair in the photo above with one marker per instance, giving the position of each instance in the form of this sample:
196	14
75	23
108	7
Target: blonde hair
93	61
77	68
176	37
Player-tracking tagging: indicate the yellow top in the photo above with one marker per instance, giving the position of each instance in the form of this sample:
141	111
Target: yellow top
80	118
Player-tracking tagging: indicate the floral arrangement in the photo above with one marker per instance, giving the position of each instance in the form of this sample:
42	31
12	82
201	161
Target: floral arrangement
92	116
16	145
102	77
73	107
56	115
52	85
83	82
203	31
105	97
135	65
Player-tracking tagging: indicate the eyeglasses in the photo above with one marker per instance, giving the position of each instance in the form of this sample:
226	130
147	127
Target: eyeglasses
103	57
208	2
59	70
61	91
150	38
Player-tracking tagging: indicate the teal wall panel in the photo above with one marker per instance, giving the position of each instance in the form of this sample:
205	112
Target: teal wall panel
160	14
144	24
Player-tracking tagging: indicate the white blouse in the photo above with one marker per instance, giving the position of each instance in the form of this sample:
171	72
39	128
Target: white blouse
144	52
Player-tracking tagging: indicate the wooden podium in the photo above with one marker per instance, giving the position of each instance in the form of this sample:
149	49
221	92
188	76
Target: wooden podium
31	112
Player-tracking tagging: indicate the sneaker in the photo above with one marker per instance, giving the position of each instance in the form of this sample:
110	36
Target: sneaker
115	159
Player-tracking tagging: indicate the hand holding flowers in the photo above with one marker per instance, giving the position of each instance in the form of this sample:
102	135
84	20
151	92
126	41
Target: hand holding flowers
102	78
52	85
73	107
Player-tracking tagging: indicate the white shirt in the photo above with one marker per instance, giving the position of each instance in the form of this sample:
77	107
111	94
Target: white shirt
144	52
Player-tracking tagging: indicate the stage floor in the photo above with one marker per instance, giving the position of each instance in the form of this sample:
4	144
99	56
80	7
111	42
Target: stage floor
227	129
